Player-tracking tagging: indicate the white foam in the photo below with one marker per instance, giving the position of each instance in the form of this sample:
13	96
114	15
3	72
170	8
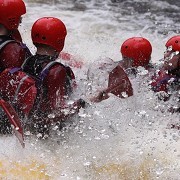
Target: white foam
117	136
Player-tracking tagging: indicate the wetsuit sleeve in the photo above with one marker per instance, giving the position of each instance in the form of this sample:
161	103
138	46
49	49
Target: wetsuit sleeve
71	75
13	55
172	64
57	98
160	82
55	83
170	69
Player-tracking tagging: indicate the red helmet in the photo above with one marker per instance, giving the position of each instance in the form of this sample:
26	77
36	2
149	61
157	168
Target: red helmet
138	49
10	13
50	31
174	42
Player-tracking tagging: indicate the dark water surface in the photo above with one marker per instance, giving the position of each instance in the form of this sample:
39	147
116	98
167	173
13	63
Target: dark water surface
161	16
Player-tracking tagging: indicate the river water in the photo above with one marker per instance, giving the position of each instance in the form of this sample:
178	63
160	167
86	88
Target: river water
117	138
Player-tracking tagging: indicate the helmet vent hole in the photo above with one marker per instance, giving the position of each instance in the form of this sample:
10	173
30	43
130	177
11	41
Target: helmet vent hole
59	41
176	41
126	47
43	38
12	20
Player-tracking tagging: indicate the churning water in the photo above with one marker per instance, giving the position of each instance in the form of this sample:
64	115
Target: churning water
117	138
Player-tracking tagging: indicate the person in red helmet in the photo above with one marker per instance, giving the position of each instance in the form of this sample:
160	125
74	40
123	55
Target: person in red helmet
167	77
172	56
51	105
136	51
12	51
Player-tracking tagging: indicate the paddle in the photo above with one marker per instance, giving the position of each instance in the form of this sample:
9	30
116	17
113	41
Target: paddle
119	79
70	60
14	120
118	84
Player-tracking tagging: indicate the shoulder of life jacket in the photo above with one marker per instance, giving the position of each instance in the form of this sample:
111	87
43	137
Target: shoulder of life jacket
13	52
66	74
19	89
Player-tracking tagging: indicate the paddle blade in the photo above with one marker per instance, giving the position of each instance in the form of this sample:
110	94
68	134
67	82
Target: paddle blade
14	120
71	60
119	83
